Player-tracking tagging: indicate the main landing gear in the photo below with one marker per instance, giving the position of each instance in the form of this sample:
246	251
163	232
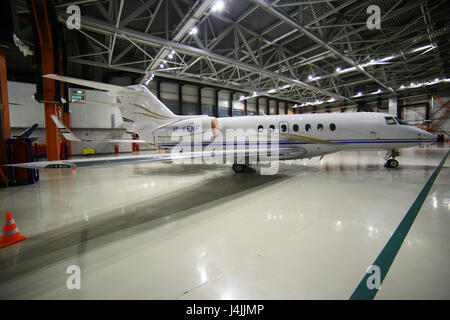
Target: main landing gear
238	168
390	159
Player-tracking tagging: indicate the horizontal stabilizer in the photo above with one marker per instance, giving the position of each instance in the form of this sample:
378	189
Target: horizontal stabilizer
88	83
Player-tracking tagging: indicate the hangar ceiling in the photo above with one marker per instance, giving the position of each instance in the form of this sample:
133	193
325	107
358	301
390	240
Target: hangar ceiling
309	52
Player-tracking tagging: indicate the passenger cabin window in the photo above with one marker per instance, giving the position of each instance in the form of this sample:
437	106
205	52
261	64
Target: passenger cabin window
402	122
272	128
295	127
390	120
308	128
283	128
332	126
320	127
260	128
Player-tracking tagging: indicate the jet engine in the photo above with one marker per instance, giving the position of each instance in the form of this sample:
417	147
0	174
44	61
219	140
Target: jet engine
196	128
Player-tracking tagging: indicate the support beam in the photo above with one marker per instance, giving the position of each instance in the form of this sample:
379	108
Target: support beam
158	89
180	98
257	105
183	29
5	129
428	109
64	88
249	49
216	103
103	11
393	105
137	12
97	26
230	104
199	100
283	17
44	31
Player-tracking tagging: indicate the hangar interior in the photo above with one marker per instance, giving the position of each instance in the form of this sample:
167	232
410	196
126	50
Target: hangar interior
164	231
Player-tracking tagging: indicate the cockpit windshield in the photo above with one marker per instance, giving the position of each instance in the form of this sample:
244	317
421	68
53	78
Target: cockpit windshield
390	121
401	121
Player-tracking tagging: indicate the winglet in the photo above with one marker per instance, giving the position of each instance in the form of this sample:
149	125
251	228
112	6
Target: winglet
64	130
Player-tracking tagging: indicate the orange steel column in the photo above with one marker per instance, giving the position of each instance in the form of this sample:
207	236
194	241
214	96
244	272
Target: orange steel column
65	112
6	132
5	129
46	43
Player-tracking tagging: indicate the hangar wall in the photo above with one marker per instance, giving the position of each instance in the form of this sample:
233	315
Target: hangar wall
416	115
93	120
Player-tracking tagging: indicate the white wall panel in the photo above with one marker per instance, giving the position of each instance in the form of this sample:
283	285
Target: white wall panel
238	104
251	105
282	107
273	106
169	91
262	106
223	99
190	94
24	110
96	112
208	96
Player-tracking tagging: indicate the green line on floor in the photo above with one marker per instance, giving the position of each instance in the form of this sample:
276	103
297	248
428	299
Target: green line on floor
387	255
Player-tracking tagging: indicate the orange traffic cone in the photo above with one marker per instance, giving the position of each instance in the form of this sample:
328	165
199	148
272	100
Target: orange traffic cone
159	149
11	233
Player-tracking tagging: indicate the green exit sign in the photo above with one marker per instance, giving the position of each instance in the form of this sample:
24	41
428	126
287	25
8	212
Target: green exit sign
77	96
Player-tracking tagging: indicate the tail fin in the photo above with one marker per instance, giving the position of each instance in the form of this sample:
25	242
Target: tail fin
142	110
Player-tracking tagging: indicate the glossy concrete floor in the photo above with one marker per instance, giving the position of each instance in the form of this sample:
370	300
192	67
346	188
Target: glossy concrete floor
164	231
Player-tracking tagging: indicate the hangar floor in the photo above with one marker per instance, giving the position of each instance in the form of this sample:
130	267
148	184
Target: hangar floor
162	231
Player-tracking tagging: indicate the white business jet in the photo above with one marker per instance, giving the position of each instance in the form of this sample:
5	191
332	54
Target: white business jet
259	138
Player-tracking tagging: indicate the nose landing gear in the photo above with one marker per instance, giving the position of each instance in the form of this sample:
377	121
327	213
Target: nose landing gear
238	168
390	159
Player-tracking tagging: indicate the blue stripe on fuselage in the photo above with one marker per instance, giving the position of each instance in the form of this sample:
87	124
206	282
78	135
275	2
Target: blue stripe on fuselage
290	142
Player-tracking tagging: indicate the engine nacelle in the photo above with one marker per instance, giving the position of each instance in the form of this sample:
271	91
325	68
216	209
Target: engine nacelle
200	129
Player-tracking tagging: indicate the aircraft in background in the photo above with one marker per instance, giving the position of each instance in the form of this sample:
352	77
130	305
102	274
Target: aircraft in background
28	132
296	136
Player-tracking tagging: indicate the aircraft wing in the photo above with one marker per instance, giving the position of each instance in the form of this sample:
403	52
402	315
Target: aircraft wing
262	154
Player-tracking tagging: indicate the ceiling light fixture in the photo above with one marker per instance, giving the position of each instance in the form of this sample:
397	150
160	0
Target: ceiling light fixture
194	30
218	6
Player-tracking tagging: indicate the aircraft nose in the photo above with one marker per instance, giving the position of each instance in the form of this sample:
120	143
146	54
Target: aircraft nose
425	135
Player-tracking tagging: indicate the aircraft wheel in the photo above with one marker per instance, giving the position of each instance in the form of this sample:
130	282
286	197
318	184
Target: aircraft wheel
391	163
238	168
